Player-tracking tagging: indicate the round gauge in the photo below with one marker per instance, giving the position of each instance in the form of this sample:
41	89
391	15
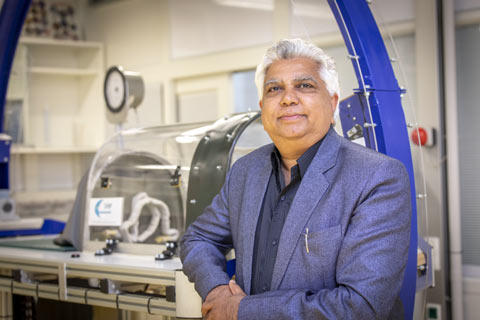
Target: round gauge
123	90
115	89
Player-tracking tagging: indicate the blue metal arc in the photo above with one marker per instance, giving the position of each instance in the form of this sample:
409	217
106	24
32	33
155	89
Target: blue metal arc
12	17
380	97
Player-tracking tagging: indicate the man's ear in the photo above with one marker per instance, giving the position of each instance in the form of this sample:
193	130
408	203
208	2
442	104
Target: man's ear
334	102
334	105
260	103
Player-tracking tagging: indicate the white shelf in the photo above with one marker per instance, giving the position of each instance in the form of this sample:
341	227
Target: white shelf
32	41
63	71
61	83
45	195
52	150
25	223
15	97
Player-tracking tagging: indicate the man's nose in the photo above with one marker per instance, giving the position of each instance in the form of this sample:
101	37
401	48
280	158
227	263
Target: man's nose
289	98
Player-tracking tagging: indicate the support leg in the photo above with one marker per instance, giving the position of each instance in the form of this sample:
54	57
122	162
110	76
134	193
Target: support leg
6	311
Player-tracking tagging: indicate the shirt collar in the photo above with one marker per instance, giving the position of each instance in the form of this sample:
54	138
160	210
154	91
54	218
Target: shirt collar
303	162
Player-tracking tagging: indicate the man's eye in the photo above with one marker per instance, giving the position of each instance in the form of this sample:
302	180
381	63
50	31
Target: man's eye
272	89
305	86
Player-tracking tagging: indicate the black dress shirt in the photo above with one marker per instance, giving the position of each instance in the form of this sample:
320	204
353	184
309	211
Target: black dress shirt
275	207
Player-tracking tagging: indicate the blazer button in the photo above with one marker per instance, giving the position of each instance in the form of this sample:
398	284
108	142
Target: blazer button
274	243
264	288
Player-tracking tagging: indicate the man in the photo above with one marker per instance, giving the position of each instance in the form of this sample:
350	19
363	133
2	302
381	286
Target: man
320	226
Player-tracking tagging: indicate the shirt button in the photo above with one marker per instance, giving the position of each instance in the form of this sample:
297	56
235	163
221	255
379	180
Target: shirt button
282	198
274	243
264	288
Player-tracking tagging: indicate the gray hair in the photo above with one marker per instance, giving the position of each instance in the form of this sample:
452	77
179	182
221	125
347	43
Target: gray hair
297	48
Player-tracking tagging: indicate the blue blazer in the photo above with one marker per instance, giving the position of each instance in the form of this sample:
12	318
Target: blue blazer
355	203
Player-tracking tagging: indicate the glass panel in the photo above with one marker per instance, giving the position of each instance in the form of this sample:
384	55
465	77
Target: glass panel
149	169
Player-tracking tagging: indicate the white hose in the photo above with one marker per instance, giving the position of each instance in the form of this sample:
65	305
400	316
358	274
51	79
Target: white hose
160	216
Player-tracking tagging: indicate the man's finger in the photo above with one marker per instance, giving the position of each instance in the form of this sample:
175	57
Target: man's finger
207	316
217	291
206	307
235	288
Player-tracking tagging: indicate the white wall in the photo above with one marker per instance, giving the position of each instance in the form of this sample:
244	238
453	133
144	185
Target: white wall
200	27
149	43
135	34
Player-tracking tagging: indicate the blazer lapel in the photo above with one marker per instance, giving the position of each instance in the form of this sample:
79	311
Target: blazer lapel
313	186
254	194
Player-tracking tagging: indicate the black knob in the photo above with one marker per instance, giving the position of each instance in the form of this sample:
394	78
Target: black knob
7	207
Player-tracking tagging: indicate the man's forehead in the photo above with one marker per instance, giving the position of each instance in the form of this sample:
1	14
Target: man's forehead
297	69
293	77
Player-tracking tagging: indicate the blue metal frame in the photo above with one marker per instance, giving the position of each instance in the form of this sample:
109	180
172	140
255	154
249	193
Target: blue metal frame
378	87
12	16
4	160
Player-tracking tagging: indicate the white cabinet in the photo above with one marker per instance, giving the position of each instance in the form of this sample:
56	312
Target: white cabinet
65	106
60	87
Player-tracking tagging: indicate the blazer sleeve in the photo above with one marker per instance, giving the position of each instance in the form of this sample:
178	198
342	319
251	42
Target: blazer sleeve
205	243
370	264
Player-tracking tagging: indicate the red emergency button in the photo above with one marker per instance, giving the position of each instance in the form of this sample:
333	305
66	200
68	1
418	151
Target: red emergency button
423	137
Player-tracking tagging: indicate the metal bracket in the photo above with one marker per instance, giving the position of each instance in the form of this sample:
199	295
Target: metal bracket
169	252
110	245
176	176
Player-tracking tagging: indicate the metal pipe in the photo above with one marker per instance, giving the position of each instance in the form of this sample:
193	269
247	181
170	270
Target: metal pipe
453	166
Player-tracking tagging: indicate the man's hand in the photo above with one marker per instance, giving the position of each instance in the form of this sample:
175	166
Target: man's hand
223	301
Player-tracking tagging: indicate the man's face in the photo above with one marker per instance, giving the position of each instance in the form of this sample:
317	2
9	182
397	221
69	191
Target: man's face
296	104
